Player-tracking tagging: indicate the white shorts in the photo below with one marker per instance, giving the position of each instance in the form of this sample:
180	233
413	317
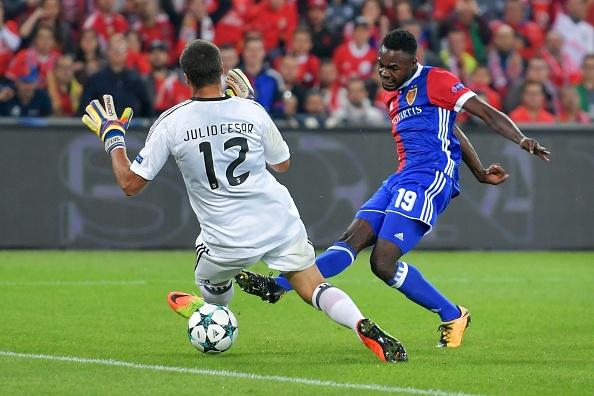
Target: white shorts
295	255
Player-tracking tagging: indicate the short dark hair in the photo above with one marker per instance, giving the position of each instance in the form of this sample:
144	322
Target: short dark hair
529	83
401	40
201	62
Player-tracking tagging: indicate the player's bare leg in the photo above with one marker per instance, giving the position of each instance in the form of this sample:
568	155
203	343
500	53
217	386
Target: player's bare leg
409	281
313	289
333	261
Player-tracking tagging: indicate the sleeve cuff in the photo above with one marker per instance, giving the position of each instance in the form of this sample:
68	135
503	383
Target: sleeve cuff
462	99
140	172
280	159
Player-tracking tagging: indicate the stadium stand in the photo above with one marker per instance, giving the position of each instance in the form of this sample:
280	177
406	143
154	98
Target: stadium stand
296	52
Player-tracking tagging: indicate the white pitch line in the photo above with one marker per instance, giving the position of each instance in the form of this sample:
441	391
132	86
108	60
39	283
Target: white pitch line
76	283
236	374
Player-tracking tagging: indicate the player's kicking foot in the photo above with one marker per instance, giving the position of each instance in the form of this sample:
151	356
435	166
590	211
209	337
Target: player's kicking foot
386	347
452	332
183	303
259	285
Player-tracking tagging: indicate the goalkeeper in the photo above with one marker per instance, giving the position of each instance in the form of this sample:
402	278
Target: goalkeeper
222	145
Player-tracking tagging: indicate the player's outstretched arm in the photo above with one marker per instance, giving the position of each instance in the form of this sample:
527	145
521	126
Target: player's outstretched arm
494	174
504	126
103	121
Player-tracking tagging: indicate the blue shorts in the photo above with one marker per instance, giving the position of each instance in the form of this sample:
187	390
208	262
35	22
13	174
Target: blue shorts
407	205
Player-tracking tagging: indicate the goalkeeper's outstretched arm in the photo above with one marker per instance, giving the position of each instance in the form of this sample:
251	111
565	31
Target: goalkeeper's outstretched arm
130	183
103	121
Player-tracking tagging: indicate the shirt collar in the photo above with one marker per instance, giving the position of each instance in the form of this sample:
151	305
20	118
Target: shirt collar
417	73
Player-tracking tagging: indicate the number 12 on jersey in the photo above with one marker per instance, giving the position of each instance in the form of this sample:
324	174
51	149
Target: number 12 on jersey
206	150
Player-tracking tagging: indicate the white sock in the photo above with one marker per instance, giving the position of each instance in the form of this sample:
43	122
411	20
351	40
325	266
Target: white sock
219	294
337	305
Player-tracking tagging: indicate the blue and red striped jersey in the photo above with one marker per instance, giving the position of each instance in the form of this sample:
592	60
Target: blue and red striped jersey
423	112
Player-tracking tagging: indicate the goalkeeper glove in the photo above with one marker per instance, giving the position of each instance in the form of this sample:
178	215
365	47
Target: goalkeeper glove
239	84
104	122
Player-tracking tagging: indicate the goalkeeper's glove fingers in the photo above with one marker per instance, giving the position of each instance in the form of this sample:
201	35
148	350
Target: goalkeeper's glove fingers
103	121
239	84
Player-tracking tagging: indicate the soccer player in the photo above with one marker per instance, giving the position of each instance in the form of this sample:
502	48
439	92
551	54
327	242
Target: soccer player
422	102
222	145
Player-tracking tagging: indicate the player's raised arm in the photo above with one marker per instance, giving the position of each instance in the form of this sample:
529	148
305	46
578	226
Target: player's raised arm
504	126
103	121
494	174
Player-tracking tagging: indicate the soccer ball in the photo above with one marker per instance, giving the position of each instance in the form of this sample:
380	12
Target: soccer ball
212	328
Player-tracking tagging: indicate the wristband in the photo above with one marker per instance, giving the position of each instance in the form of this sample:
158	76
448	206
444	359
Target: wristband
114	142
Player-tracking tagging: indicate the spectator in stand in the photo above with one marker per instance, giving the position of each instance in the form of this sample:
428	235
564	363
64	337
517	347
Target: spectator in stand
40	56
105	21
476	29
9	41
564	71
266	82
167	87
442	9
375	89
399	13
315	114
230	58
289	71
64	91
532	108
136	58
153	25
28	100
74	13
205	15
578	35
330	87
355	58
481	84
424	55
514	15
537	70
308	74
48	13
229	19
196	24
357	111
290	110
275	20
504	61
324	40
456	58
339	13
586	88
115	79
571	112
88	57
379	24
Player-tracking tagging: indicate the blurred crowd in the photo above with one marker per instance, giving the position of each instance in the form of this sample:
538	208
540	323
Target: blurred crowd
312	62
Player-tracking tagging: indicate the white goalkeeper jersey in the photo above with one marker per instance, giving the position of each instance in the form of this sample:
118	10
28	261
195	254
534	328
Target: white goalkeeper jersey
221	146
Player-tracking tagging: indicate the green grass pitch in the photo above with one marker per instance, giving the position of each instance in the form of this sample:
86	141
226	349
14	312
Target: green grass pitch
532	331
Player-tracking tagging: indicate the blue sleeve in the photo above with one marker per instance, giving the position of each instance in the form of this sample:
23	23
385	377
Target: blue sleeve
266	89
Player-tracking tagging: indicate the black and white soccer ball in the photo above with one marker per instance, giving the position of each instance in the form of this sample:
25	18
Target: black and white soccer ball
212	328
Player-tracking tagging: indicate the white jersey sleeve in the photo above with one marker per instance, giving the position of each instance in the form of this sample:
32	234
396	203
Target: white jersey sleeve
276	149
154	154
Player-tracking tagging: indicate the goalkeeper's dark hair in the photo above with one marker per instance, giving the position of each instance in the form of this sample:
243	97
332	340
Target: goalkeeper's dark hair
401	40
201	61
